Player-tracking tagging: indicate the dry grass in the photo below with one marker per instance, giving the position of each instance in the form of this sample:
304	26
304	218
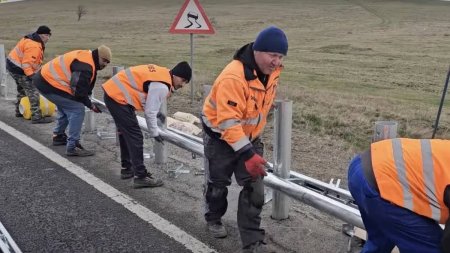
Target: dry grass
350	62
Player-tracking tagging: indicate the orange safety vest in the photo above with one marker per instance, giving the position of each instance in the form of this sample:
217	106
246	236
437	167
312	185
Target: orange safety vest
127	86
237	108
57	71
27	55
413	174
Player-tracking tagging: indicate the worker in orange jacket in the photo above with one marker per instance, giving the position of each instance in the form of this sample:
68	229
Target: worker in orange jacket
68	81
141	88
234	116
402	189
22	63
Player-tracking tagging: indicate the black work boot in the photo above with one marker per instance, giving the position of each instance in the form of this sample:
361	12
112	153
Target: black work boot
79	151
217	229
257	247
147	181
59	139
41	120
126	173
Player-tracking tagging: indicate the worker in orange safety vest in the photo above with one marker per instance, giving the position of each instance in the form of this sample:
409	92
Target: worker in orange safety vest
141	88
22	63
68	81
234	116
402	189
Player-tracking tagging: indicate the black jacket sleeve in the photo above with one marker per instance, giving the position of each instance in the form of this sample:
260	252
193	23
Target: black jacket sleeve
80	82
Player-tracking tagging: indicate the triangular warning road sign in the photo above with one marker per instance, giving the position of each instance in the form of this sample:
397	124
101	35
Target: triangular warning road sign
191	19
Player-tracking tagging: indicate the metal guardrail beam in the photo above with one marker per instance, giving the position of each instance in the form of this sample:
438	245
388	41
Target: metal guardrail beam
319	197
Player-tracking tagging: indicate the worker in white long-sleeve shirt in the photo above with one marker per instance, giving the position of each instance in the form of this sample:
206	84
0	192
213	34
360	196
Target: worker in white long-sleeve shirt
141	88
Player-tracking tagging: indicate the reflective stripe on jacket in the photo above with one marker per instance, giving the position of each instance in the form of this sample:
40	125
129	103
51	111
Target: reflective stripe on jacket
57	71
127	86
237	108
27	55
413	174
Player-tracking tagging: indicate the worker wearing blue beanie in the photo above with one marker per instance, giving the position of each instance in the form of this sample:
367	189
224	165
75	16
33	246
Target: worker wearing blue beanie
271	39
234	116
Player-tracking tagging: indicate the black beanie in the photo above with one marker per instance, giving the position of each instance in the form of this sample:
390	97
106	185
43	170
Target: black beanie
271	39
43	29
182	70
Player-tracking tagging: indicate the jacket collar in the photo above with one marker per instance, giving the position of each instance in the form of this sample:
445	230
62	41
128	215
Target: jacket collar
35	37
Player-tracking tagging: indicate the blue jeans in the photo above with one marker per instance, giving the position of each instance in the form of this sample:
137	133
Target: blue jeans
70	114
388	225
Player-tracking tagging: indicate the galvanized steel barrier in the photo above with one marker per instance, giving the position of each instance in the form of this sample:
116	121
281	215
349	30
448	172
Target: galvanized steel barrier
325	197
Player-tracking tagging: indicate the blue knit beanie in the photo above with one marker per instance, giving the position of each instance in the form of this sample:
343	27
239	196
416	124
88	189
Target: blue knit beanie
271	39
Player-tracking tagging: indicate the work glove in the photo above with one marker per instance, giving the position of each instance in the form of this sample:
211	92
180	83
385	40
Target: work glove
255	166
159	139
95	109
161	117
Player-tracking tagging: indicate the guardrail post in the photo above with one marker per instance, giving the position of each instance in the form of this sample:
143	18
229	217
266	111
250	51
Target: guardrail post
282	154
3	87
116	70
160	149
89	121
384	130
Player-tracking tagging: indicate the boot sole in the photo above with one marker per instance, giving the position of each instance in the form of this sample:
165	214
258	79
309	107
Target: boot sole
59	143
79	155
126	176
147	186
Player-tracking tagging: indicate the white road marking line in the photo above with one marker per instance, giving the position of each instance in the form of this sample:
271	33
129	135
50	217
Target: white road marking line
129	203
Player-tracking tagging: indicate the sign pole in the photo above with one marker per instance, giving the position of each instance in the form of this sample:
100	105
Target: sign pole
192	67
191	19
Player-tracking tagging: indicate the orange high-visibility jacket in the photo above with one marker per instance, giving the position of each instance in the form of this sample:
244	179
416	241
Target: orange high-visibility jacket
237	108
127	86
57	71
27	55
413	174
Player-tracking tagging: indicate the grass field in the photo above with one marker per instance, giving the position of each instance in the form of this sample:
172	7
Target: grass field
350	62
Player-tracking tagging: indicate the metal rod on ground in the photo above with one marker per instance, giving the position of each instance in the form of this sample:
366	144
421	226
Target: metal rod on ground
281	155
441	104
159	149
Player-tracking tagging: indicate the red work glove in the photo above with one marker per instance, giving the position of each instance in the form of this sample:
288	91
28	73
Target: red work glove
255	166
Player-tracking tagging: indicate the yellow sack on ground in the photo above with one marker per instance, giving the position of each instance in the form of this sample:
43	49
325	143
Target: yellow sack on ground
47	107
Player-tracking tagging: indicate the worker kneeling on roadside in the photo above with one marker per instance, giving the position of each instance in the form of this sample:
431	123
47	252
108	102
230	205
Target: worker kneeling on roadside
68	81
141	88
234	116
402	189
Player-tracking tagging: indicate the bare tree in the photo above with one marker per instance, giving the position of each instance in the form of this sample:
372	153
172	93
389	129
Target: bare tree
81	11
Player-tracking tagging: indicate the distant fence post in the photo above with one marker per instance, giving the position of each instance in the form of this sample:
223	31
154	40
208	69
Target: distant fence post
282	155
3	87
160	149
384	130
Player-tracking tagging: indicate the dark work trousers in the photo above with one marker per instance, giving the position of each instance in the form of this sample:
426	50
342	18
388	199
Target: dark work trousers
130	136
221	162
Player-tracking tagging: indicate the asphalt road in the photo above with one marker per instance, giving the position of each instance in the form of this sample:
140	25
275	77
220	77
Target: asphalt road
46	208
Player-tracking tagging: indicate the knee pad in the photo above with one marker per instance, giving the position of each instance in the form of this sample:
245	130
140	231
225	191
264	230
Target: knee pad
215	192
255	192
